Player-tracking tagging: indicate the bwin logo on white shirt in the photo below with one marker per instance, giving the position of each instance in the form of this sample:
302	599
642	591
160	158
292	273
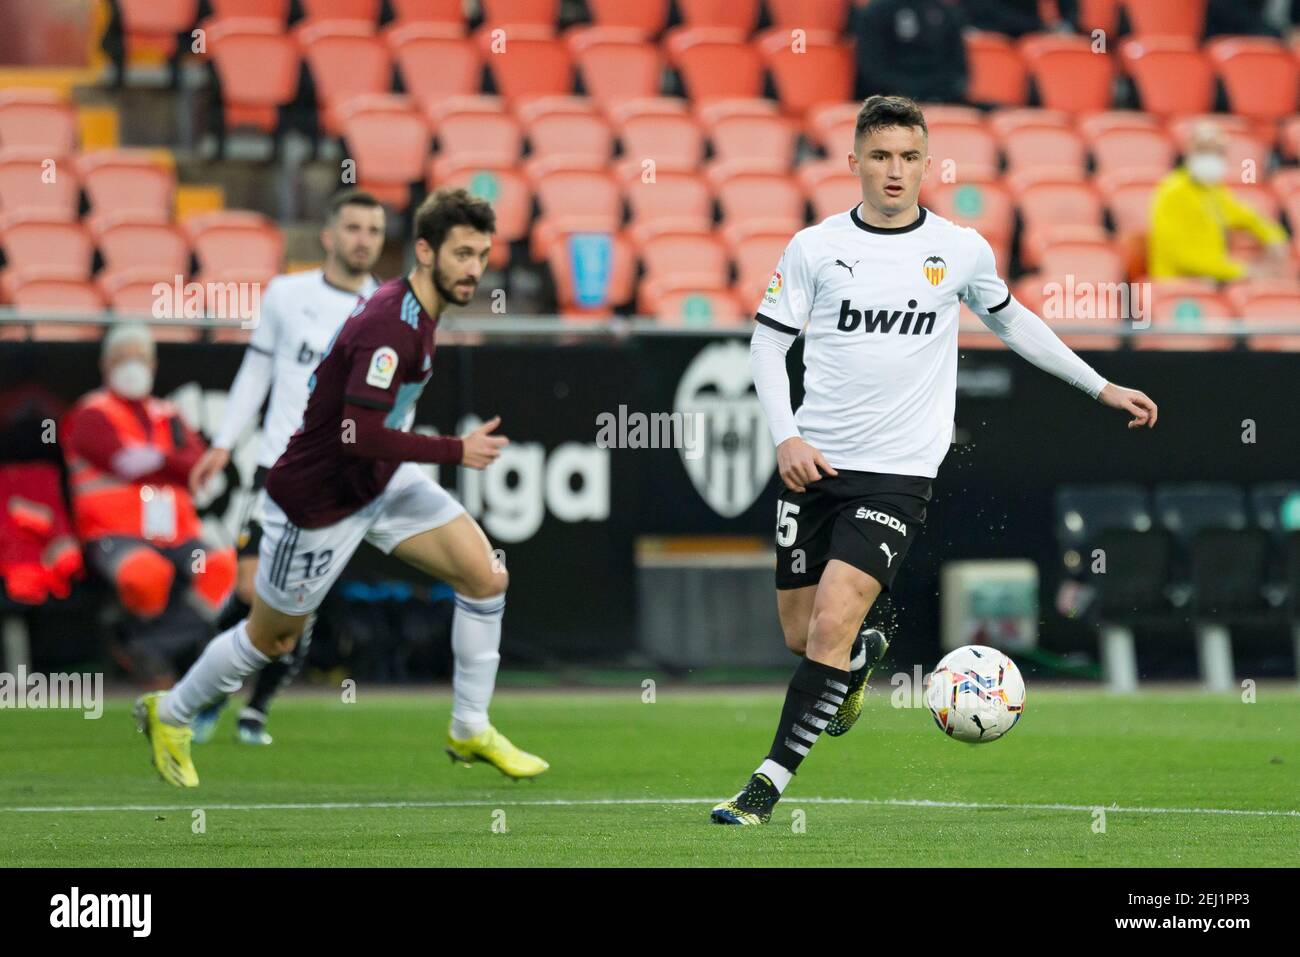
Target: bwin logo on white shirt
872	515
883	320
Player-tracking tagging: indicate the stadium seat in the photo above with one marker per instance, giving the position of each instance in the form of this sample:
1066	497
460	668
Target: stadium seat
1127	195
673	140
477	126
680	197
1039	147
1289	138
344	66
1183	306
1261	78
618	288
433	66
1171	75
565	190
34	182
832	15
1118	149
750	190
149	27
277	10
257	71
1003	123
388	138
831	127
503	186
131	292
1069	76
1047	197
1285	184
532	63
970	152
1267	501
56	289
429	11
769	139
235	241
675	303
38	242
1184	19
1277	307
37	119
715	63
998	75
982	206
699	255
1099	15
755	248
648	17
126	181
820	71
616	64
734	14
829	187
134	240
1095	124
587	136
540	13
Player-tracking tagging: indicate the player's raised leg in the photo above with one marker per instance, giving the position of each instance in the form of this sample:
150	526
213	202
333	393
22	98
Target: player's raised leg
817	690
460	554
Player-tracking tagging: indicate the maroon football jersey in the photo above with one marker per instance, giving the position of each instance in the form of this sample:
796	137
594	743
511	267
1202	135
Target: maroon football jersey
381	358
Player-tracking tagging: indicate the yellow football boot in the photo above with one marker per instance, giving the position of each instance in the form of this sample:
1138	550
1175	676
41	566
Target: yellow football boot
495	748
170	744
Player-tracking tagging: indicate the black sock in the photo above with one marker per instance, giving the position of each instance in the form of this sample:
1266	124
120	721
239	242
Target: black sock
816	693
279	673
234	612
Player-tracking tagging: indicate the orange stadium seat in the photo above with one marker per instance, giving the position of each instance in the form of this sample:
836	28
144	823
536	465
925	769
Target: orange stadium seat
126	181
1099	15
746	190
982	206
34	181
832	15
362	11
1047	198
1274	304
1037	147
1260	75
130	292
829	187
821	71
1172	76
735	14
389	140
998	74
969	152
1184	306
1127	196
1117	149
39	119
1095	124
150	26
55	289
952	113
533	63
36	242
676	306
1285	183
503	186
235	242
565	191
477	126
621	283
1068	74
1173	18
652	290
434	66
673	140
257	70
616	64
131	241
541	13
587	136
646	16
755	253
343	66
715	63
682	198
1289	138
751	138
831	126
429	11
690	253
277	10
1005	122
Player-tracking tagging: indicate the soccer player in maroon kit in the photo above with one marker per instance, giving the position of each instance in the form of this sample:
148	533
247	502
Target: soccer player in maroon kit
347	476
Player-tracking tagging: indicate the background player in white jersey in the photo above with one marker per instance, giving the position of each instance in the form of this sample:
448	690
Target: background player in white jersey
876	291
300	314
347	476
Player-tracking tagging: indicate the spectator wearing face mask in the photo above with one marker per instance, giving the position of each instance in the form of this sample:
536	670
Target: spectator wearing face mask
1192	211
129	457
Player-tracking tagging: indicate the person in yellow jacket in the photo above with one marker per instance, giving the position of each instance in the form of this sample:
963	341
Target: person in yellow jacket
1192	211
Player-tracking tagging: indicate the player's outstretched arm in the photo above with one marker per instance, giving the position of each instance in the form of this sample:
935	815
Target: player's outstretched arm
797	462
365	436
1138	404
247	393
481	447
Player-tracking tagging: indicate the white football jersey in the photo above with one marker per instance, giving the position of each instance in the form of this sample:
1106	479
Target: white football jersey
300	314
879	310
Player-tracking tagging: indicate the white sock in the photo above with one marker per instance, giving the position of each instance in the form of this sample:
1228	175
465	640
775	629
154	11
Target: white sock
775	773
476	644
859	660
228	659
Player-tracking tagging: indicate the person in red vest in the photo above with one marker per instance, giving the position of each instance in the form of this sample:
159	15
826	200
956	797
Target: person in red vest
129	455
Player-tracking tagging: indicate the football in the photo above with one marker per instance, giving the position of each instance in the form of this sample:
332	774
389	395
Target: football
976	694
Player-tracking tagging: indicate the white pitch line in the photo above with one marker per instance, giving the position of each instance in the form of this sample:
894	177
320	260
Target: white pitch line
599	802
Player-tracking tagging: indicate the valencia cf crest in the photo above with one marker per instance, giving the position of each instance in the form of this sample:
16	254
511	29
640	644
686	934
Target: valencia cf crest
935	268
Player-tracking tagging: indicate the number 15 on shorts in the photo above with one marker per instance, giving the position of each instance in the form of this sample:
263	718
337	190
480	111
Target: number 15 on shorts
787	526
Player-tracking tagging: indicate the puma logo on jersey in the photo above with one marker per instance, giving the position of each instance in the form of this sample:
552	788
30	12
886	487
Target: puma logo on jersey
885	320
871	515
841	262
889	556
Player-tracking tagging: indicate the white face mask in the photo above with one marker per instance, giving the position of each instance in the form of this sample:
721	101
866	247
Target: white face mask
131	379
1207	168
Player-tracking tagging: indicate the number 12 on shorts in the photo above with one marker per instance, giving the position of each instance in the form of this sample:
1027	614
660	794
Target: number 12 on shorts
787	528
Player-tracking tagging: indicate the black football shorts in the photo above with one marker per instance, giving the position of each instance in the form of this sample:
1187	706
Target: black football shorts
865	519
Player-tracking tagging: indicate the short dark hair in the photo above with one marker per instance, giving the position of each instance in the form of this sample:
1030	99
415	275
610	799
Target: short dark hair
450	207
350	197
879	112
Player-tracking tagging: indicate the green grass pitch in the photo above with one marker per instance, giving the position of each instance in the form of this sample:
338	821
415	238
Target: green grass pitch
631	784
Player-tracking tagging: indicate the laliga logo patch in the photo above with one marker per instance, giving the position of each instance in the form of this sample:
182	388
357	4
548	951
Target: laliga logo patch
732	461
382	366
935	268
773	289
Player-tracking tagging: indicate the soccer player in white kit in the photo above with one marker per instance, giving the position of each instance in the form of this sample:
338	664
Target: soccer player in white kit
300	314
876	291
